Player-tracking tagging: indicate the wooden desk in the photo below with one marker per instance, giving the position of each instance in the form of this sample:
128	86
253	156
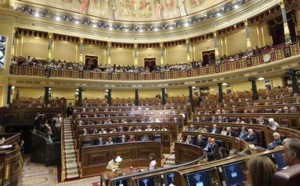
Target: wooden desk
106	176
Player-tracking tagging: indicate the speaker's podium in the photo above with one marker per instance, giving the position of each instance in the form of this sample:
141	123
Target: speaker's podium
109	176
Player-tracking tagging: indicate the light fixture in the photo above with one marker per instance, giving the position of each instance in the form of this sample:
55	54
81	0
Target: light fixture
76	22
224	84
193	87
94	25
37	14
218	14
13	87
261	78
236	6
57	18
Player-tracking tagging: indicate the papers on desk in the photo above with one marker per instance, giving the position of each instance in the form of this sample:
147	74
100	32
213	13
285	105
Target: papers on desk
5	146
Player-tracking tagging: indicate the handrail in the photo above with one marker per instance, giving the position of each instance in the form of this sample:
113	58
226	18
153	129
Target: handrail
276	54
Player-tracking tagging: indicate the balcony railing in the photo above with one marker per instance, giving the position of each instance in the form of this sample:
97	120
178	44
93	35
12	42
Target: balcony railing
274	54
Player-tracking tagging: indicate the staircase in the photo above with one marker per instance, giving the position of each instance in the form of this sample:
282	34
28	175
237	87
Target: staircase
170	161
70	168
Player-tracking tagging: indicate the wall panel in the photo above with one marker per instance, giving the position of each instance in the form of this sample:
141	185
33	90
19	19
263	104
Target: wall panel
64	50
35	47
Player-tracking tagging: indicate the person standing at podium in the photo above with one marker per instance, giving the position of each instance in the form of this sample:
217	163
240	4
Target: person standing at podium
112	164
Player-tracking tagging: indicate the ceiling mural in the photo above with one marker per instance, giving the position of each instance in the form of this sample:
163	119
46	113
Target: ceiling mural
131	10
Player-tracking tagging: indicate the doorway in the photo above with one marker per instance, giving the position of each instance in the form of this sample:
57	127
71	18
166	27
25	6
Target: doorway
208	57
150	63
91	62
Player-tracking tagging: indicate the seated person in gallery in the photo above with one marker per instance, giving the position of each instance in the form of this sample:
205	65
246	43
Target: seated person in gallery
158	96
277	141
131	139
145	138
112	164
252	137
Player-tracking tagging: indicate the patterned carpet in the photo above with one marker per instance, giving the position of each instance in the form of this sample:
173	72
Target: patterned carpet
35	174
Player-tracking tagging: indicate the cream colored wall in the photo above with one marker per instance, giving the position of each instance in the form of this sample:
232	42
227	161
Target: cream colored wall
122	56
61	92
63	50
95	51
267	37
213	89
35	47
297	19
2	94
277	82
122	94
148	53
240	87
31	92
236	42
253	36
176	54
178	92
149	93
203	46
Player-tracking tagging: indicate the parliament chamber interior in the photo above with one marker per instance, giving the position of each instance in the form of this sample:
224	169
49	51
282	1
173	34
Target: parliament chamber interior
185	93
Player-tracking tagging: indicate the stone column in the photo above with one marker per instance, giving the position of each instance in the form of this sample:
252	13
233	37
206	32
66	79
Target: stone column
191	100
135	55
108	55
11	4
188	48
220	92
162	55
109	97
163	96
9	91
13	43
249	47
216	45
254	88
285	23
293	74
50	35
46	95
80	90
136	97
81	50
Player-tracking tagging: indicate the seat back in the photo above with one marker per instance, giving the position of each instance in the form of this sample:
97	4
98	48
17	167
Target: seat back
289	176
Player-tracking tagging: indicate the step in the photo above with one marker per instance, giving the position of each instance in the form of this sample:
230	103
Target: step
72	165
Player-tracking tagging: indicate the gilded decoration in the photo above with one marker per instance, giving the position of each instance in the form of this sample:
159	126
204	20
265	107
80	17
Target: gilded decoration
131	10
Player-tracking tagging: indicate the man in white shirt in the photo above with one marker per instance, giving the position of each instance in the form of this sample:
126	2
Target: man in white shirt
272	124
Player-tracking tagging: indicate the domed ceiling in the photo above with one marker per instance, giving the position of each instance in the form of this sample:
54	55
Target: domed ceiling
133	10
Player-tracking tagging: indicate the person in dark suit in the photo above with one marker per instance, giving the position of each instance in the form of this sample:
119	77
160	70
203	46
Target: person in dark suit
252	137
222	153
189	140
277	141
200	141
70	110
208	145
214	147
215	130
229	132
122	139
243	134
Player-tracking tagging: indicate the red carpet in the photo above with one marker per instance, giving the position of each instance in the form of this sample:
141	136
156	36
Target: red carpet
95	184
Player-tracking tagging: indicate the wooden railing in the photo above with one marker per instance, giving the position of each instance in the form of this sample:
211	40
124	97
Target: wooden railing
276	54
